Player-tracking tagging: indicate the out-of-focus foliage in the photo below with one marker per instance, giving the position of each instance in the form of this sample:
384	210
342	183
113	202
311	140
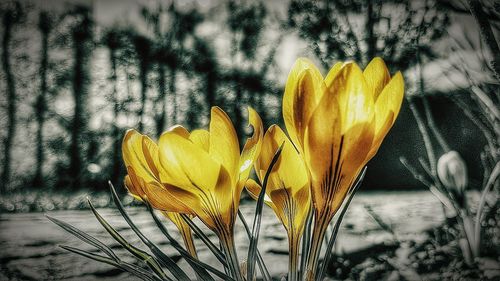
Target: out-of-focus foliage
95	81
362	29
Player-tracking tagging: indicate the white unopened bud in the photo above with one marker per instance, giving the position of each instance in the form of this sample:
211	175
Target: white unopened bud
452	171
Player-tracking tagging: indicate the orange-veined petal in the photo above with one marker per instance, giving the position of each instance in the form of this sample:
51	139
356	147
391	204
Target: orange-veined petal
303	91
170	198
133	155
322	147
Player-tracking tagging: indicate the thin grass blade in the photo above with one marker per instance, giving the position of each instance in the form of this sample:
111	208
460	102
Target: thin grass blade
162	257
260	260
376	217
226	266
217	252
331	242
494	175
84	237
140	254
252	249
133	269
193	262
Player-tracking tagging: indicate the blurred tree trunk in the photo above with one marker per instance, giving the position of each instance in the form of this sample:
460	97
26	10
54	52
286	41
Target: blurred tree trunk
238	115
9	20
371	40
143	76
162	96
82	36
45	26
115	135
173	93
143	51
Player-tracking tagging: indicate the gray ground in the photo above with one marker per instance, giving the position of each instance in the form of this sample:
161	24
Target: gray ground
29	251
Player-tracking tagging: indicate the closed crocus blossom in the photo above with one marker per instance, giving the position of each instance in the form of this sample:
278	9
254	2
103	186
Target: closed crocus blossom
206	172
287	188
338	123
137	152
452	171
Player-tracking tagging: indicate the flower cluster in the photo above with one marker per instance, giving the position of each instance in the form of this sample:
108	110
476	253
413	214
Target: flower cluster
335	125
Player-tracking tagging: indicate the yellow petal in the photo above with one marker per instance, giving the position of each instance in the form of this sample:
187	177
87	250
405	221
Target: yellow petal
254	189
133	185
179	130
356	104
338	137
287	179
170	198
387	109
184	230
356	145
291	212
186	165
268	149
303	91
289	171
303	199
285	208
377	76
201	138
354	97
133	155
150	150
153	192
391	97
322	147
252	147
333	73
380	135
227	197
224	145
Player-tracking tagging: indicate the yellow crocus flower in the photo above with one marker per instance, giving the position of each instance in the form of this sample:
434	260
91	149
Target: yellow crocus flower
202	173
287	190
338	123
136	149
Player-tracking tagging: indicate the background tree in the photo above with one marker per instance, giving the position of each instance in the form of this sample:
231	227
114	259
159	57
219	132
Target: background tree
170	28
204	64
115	42
247	76
390	29
12	15
45	25
142	46
82	45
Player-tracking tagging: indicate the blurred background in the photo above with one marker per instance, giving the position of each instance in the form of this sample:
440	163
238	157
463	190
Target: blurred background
75	75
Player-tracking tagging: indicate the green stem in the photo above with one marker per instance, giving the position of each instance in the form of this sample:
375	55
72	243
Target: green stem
293	251
227	243
466	246
320	226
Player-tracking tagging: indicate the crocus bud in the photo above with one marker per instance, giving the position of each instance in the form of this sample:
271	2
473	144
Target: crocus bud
452	171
